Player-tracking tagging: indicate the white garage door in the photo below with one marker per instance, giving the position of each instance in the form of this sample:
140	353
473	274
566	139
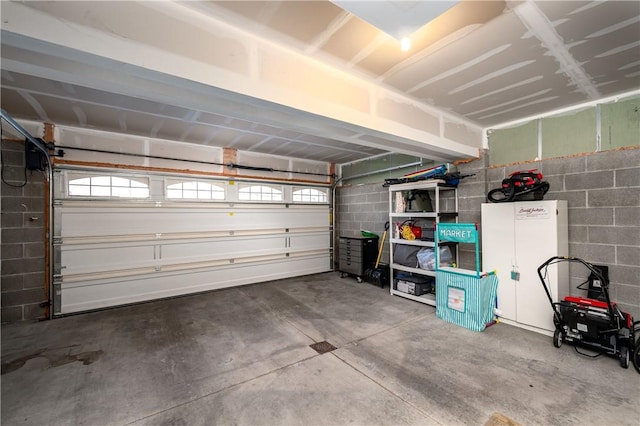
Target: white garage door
121	238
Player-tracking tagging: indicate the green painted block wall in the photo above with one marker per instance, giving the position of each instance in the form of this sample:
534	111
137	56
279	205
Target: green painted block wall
569	134
620	124
515	144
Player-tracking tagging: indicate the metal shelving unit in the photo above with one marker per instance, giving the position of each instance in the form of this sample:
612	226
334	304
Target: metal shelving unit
444	207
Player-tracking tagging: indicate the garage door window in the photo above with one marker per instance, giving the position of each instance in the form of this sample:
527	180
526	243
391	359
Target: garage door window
309	195
251	192
108	186
195	190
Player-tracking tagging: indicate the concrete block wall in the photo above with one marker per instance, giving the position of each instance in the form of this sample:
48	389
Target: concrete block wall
603	195
22	237
361	207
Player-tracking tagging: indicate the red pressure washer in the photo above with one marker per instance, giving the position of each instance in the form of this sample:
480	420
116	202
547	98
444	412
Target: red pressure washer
598	325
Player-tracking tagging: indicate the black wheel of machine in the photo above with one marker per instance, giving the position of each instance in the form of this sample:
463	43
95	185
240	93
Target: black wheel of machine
635	344
624	357
557	338
545	187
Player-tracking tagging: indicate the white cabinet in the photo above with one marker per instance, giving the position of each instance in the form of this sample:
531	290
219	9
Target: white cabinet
516	239
440	205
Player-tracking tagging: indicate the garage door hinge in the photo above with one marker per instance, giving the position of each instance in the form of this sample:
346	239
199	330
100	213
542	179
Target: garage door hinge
57	202
57	240
57	279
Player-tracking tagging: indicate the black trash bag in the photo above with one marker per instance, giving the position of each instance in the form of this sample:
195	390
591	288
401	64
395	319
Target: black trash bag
406	255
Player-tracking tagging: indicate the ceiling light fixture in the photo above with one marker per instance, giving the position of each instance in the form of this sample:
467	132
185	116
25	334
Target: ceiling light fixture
397	18
405	44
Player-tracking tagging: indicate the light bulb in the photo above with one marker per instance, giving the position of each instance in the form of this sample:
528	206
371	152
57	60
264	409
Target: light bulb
405	44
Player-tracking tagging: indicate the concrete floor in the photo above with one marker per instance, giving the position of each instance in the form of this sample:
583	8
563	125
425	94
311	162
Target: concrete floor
242	356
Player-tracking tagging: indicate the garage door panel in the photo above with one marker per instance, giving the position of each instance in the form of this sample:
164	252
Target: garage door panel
88	295
222	249
165	220
113	252
94	258
87	259
310	241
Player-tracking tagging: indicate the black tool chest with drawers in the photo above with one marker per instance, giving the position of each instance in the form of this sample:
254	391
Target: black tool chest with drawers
357	254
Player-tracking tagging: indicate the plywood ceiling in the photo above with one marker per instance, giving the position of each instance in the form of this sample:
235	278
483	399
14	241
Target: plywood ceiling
486	62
